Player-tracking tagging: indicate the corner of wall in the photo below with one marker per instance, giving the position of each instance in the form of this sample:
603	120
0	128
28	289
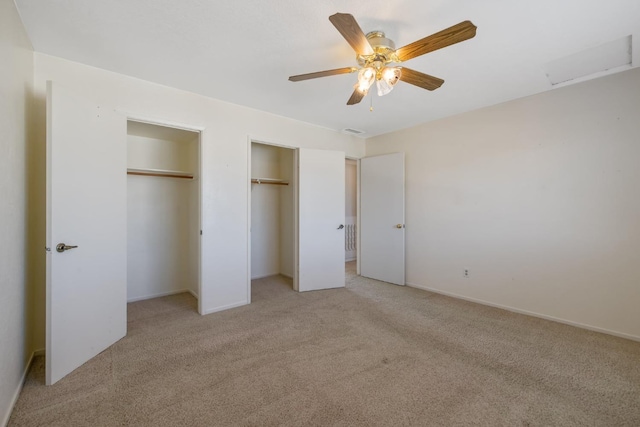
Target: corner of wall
16	121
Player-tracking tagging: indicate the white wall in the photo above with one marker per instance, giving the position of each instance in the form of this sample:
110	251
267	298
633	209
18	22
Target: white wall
162	218
224	154
153	153
16	80
538	198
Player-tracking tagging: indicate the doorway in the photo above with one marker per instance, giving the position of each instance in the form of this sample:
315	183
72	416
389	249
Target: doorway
312	214
163	215
351	210
273	231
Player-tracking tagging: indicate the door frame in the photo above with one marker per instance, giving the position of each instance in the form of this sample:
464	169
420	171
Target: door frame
200	130
296	210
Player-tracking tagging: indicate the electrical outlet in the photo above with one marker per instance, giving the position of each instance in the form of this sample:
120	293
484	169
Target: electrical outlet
466	273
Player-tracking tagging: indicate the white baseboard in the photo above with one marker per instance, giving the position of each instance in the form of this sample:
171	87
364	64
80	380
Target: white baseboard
262	276
529	313
225	307
16	394
161	294
194	293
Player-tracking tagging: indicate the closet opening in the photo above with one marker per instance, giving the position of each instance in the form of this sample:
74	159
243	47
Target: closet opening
351	211
273	228
163	217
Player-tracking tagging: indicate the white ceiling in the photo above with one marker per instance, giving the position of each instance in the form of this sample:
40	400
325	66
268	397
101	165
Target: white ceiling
243	51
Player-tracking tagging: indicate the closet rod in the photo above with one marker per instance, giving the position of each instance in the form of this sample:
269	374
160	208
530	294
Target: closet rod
160	172
268	181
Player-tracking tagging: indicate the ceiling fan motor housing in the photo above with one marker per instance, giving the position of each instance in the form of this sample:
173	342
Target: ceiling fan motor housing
384	50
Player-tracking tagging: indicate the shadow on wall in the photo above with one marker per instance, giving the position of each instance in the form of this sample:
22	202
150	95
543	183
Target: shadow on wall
36	153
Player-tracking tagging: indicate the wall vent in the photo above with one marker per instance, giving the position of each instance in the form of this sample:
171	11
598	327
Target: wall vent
352	131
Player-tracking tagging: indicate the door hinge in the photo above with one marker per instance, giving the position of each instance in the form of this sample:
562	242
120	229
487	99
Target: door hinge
201	232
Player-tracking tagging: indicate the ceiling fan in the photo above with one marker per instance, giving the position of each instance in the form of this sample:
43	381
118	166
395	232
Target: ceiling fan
375	53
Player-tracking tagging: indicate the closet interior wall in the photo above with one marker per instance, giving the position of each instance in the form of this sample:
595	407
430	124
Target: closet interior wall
163	213
272	212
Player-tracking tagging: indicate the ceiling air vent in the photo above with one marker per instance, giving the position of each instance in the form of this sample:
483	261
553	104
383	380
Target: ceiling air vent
352	131
595	62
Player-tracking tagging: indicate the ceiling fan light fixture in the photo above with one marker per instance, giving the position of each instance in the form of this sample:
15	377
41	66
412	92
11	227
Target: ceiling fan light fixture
360	89
366	76
389	77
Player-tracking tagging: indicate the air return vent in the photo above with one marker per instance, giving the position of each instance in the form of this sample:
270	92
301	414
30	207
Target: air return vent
352	131
595	62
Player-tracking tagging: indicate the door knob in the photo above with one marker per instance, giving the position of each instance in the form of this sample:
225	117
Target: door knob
399	225
61	247
341	227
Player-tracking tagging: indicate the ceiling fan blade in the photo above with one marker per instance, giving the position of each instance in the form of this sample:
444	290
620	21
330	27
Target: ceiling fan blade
419	79
351	31
356	97
452	35
326	73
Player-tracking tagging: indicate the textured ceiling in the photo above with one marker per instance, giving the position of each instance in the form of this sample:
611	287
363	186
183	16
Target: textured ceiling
243	51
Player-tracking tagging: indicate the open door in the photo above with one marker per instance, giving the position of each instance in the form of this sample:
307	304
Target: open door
382	218
86	230
320	219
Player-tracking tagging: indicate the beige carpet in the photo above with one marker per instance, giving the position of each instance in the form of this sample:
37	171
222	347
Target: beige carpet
371	354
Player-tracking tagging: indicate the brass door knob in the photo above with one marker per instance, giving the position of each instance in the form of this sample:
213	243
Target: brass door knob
399	225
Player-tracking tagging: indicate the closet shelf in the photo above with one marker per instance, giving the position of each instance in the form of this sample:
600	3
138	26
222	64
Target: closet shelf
160	172
269	181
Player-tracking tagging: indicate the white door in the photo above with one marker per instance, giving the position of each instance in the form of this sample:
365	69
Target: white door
320	219
382	218
86	207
